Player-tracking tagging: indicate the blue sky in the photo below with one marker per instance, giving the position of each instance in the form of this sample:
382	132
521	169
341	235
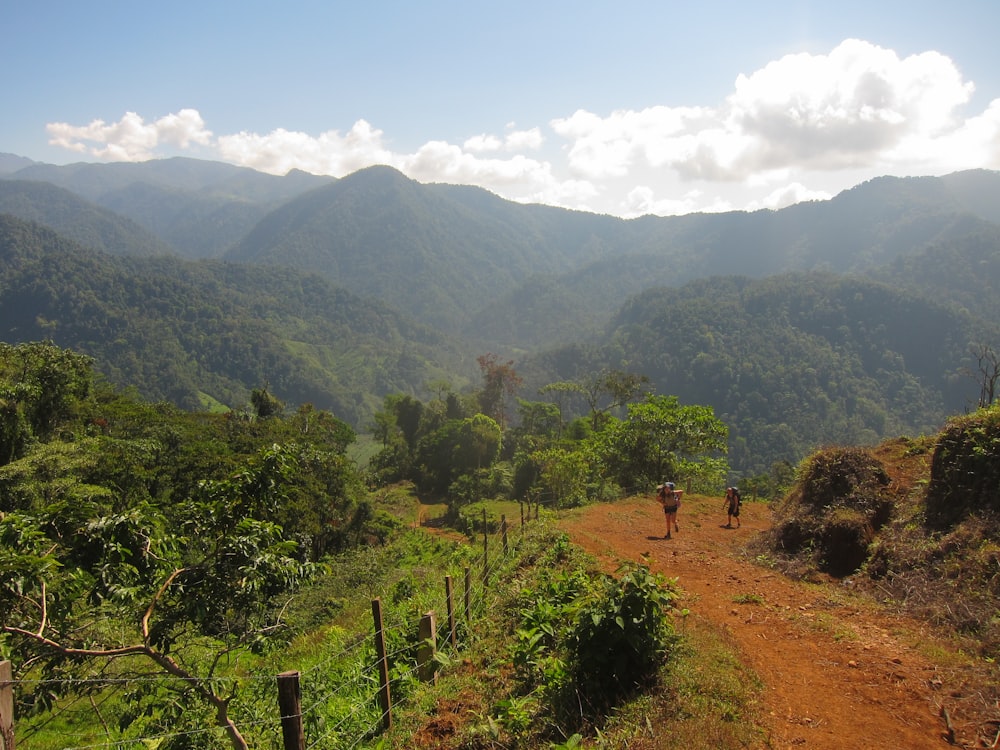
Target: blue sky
623	108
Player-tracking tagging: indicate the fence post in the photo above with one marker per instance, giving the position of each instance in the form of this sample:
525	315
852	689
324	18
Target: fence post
468	595
426	667
290	706
486	551
383	665
449	595
6	705
503	533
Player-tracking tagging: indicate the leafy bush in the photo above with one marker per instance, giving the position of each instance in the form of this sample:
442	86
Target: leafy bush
622	636
585	645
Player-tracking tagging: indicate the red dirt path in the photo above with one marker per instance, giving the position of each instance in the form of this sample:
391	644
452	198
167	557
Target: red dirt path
838	673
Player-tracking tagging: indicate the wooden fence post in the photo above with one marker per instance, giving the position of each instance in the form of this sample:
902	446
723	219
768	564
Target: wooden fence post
6	706
290	706
426	667
468	595
503	533
486	551
450	596
383	665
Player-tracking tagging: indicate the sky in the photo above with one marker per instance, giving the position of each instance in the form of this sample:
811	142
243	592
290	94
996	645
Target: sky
623	108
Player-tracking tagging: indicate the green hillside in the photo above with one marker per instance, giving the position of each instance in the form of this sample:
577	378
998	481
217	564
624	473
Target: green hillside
78	219
198	333
790	362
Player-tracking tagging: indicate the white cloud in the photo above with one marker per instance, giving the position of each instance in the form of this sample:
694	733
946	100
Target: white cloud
480	143
516	177
788	195
524	140
131	138
329	153
513	142
842	110
800	122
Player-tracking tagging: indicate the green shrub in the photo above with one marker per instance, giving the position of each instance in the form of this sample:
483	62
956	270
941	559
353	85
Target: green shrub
621	637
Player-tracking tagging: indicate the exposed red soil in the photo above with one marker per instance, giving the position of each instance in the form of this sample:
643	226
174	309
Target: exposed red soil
838	672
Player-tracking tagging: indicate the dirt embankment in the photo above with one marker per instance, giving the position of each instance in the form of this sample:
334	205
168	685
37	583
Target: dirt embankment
838	672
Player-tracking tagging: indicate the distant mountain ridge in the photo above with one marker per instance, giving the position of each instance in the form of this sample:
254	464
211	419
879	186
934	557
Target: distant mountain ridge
198	333
465	261
840	320
78	219
199	208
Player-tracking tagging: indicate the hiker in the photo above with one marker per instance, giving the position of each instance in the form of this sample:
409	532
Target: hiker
670	499
732	506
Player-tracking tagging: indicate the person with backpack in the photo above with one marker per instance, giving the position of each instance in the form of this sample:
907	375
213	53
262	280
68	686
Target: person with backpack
670	499
732	506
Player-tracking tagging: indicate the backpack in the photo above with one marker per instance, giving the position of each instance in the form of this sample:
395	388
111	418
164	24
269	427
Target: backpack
667	491
736	494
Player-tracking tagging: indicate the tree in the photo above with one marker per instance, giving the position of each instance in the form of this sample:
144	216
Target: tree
459	446
561	392
987	374
500	381
208	577
661	439
265	405
562	476
539	422
617	387
41	386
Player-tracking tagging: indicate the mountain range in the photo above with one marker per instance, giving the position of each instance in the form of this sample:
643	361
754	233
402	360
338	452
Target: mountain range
839	320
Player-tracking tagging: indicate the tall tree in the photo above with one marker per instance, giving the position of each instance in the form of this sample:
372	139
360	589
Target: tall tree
662	439
987	374
610	390
500	382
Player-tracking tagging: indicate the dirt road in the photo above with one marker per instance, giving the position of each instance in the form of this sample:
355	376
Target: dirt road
838	673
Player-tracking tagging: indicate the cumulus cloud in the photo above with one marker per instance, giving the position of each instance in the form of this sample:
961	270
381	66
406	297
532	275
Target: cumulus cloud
330	153
788	195
800	122
858	105
131	138
848	108
514	141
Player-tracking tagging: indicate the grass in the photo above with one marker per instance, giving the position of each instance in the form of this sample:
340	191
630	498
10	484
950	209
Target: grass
708	700
705	696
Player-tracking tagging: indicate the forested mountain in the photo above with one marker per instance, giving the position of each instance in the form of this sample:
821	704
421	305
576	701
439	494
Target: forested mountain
198	208
78	219
964	271
437	252
790	362
197	333
457	257
751	313
466	261
94	181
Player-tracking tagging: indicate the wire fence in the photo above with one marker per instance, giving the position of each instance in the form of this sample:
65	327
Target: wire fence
345	699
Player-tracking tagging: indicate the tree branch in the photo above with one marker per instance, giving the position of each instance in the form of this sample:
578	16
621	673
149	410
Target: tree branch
152	604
